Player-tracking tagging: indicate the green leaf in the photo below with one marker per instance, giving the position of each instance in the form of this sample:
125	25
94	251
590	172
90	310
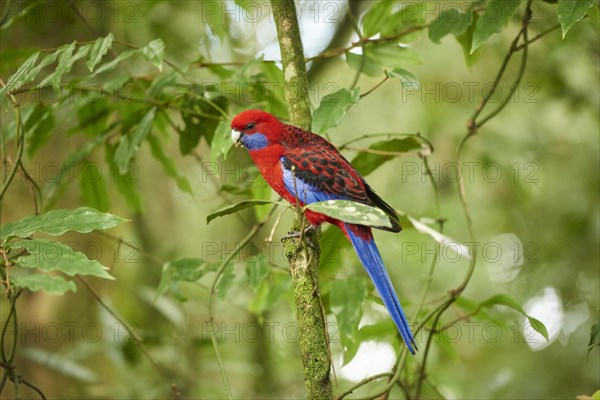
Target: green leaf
332	109
168	164
260	191
392	55
57	222
351	212
364	64
269	292
92	115
16	14
405	76
594	337
25	73
155	52
449	21
242	3
375	18
125	183
42	282
469	305
504	300
129	144
39	128
225	281
93	187
474	308
594	17
378	331
48	255
184	269
220	71
242	188
399	21
333	244
492	20
189	137
257	271
221	143
198	126
366	162
571	11
466	39
113	63
379	56
235	208
444	342
82	51
346	297
65	63
163	81
99	48
50	189
269	82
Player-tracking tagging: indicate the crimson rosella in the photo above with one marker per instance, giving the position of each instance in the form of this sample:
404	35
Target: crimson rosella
303	167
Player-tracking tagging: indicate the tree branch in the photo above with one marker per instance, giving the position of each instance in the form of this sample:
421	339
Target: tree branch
303	260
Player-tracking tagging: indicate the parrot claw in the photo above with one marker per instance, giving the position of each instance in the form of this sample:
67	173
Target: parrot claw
297	235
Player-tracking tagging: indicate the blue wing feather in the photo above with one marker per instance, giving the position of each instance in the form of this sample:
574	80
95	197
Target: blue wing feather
296	184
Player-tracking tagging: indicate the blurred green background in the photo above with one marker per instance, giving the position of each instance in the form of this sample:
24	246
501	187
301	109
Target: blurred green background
532	188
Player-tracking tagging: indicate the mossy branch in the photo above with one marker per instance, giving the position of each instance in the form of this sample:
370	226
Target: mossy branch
303	260
292	59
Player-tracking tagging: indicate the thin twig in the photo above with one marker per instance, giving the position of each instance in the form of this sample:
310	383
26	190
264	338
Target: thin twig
368	92
362	383
118	96
383	152
373	135
211	300
362	42
221	365
536	37
213	288
473	124
20	135
132	334
517	80
32	387
38	199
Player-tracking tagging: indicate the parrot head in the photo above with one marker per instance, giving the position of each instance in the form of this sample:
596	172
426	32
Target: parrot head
255	129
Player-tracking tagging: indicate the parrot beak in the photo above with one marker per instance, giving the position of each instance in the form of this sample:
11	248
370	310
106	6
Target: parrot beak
235	136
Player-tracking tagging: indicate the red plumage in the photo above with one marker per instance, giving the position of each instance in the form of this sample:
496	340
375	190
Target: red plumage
304	167
316	161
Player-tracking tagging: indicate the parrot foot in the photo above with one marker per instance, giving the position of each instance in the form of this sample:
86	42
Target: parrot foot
297	235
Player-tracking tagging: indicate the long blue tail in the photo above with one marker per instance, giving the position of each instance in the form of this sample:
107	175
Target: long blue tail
371	259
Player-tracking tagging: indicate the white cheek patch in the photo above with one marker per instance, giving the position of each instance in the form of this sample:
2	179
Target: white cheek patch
235	136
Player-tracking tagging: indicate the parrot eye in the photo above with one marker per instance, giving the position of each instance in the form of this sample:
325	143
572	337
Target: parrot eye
250	125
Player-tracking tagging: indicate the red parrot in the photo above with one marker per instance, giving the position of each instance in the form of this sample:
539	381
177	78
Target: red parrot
304	167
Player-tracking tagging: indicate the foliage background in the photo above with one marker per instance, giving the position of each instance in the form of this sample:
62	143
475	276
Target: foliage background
544	144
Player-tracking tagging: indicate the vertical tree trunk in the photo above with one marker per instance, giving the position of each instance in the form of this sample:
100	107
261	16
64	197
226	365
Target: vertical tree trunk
303	260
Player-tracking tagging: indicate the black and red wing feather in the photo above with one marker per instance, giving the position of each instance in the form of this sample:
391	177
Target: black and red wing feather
323	173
